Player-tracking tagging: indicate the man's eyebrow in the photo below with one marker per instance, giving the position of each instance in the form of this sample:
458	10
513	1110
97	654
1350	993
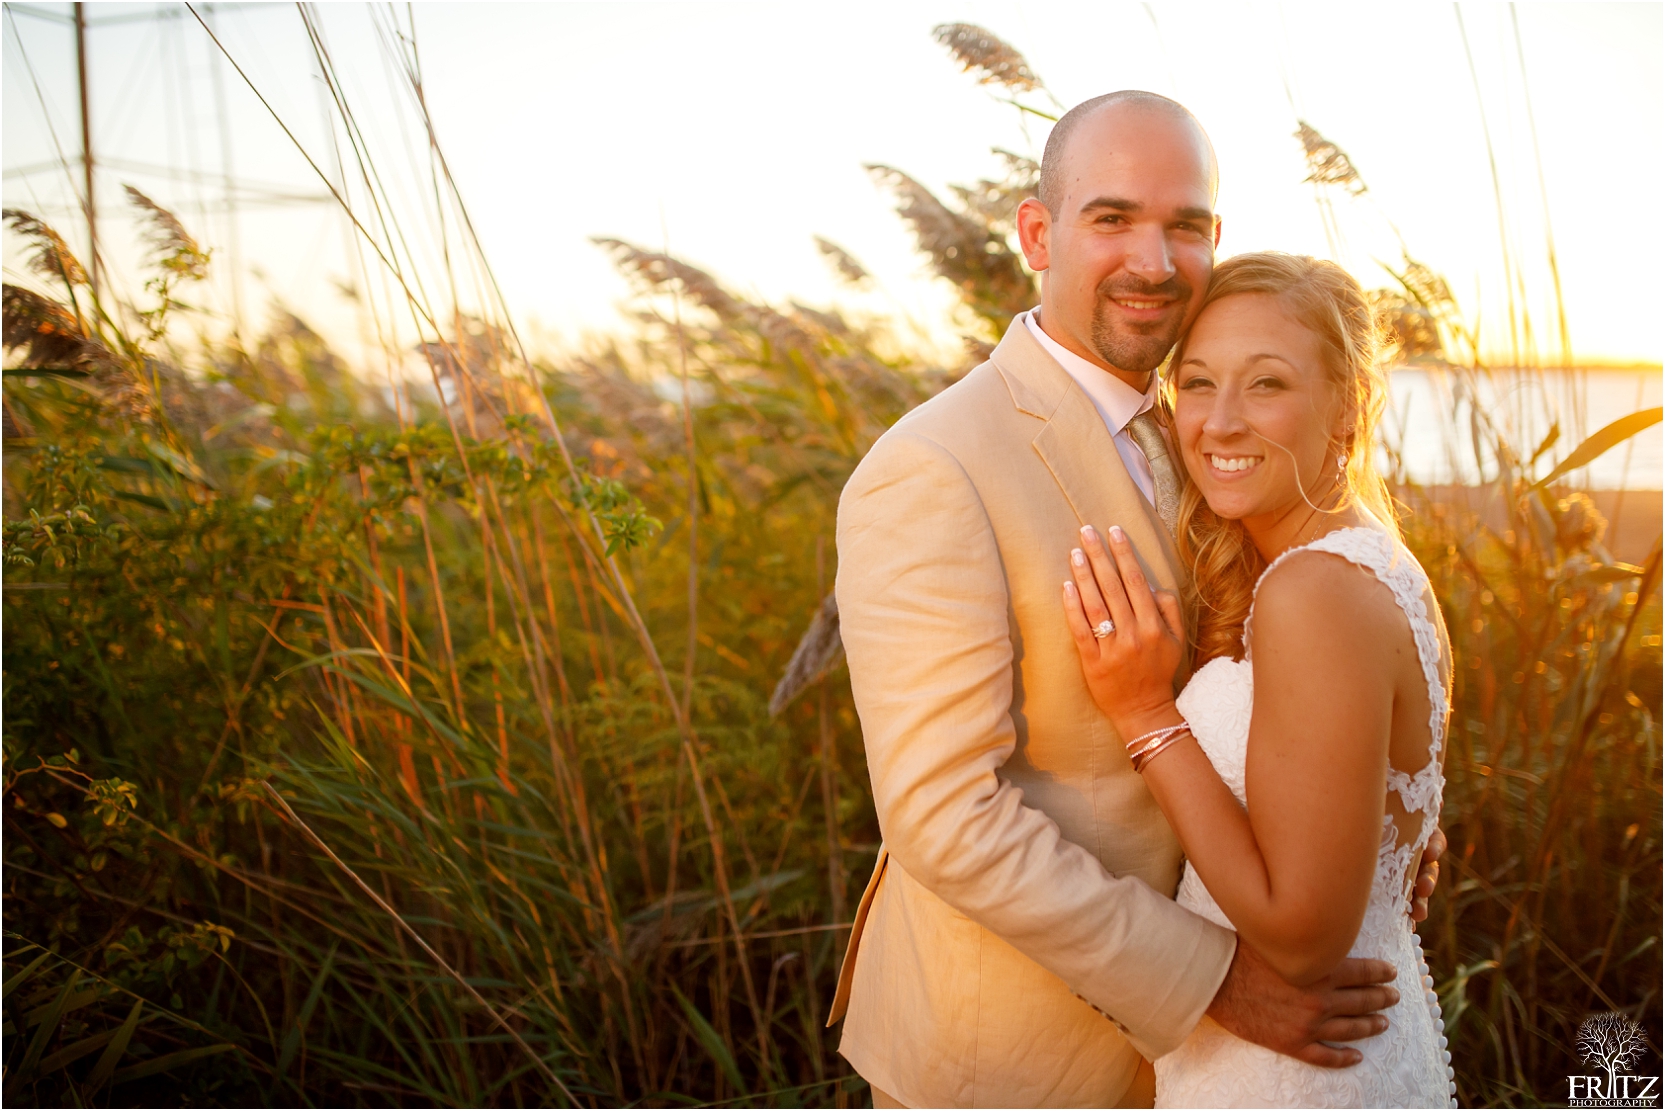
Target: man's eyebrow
1122	204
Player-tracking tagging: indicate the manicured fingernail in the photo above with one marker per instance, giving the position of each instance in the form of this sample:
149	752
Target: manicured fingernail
1078	557
1087	531
1117	534
1069	588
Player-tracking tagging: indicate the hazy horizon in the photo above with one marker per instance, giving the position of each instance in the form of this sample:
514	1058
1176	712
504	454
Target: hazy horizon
737	132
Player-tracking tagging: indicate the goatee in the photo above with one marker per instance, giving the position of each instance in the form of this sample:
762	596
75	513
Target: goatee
1138	348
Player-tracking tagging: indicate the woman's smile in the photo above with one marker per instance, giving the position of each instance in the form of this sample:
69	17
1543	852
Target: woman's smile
1223	464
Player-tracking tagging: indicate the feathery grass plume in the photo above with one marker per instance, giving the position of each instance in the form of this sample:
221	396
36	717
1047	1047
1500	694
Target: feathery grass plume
986	54
994	203
656	269
1428	286
831	323
818	652
967	252
843	263
1413	328
174	249
53	341
1328	164
953	242
1430	293
175	254
52	257
49	334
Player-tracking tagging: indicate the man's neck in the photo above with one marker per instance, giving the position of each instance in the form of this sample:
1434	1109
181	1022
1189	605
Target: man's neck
1140	382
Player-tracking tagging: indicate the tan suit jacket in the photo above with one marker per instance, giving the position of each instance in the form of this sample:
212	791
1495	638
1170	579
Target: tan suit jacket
1018	944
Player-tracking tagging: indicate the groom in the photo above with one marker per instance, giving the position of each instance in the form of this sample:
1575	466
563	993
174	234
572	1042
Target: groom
1018	944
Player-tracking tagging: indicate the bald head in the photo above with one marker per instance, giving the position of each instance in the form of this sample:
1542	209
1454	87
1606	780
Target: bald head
1123	230
1056	156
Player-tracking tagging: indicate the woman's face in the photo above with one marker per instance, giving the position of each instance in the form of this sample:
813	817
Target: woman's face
1253	379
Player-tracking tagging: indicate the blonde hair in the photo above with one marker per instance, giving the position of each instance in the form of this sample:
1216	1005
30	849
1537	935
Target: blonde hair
1328	302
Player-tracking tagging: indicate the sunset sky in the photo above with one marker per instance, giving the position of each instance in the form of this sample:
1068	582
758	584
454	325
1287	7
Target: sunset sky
738	132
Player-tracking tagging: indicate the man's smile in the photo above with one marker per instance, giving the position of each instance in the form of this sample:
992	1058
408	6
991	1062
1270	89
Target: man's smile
1144	307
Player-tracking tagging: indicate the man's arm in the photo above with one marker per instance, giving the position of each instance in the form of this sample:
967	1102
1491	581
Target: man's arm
923	612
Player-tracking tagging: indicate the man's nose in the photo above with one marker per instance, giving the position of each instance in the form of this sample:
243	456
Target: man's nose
1148	256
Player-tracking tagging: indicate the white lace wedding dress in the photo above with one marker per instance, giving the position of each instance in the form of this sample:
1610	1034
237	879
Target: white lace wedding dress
1408	1066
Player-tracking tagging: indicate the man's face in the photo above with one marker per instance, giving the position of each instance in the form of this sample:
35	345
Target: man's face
1128	252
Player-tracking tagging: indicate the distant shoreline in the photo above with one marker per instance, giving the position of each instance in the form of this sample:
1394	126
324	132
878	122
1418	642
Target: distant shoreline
1634	517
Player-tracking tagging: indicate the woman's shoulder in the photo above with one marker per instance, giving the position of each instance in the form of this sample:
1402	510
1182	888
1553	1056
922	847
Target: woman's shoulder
1332	587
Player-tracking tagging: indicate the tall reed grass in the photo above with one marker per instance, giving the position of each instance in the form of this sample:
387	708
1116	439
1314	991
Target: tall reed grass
413	746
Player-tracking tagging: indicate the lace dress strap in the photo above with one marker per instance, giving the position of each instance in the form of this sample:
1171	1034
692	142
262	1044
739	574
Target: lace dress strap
1399	571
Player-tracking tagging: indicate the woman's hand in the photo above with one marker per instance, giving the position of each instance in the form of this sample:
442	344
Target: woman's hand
1130	672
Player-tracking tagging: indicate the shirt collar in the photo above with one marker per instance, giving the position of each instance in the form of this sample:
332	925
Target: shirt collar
1116	401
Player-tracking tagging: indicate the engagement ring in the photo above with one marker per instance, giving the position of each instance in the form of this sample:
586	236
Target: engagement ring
1104	628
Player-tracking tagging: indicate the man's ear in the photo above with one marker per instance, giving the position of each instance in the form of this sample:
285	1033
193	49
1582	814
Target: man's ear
1218	224
1034	224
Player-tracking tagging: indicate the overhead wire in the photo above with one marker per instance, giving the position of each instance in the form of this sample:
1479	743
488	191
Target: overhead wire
46	113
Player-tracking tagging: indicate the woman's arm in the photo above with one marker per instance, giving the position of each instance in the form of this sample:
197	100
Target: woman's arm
1294	873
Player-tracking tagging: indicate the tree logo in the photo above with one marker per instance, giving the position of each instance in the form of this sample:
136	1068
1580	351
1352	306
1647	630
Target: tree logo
1614	1044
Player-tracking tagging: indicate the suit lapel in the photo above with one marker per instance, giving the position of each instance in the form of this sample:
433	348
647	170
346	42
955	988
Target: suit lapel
1077	449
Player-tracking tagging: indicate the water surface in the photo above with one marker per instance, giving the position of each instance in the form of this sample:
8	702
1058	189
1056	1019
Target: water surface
1431	414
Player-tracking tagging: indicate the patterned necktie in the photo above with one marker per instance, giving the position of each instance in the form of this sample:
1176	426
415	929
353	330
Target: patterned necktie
1147	433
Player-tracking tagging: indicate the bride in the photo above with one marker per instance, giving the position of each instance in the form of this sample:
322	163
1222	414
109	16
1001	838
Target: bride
1321	683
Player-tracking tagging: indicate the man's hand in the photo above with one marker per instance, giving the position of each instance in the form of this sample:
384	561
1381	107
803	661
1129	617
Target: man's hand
1428	875
1259	1006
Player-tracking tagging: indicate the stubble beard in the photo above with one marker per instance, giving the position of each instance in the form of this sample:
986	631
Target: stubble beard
1137	348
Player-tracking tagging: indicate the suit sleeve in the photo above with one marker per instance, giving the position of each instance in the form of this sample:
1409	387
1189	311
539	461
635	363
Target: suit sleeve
923	611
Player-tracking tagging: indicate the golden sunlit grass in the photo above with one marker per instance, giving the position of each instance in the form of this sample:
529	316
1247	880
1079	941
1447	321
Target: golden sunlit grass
367	748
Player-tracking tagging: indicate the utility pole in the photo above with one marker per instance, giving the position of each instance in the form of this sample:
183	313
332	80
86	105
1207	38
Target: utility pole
86	143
